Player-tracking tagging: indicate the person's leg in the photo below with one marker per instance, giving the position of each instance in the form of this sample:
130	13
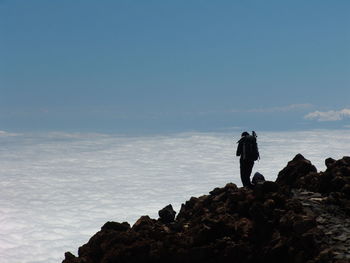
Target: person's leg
246	169
249	165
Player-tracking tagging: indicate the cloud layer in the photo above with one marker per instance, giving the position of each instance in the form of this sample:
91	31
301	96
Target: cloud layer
58	189
328	115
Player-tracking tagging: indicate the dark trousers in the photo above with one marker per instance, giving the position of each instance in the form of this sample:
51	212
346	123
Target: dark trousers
246	170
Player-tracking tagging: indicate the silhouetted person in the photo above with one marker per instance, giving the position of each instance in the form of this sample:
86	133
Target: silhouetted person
248	151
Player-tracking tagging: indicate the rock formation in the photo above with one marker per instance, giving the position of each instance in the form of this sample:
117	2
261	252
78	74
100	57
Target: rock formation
302	217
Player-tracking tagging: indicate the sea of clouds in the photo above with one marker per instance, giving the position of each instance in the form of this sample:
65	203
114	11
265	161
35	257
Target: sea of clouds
58	189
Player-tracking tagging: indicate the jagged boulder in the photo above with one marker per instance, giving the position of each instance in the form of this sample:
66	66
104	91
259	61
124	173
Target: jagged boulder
295	169
335	179
167	214
334	182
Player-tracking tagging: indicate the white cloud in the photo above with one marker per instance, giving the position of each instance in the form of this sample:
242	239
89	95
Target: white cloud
57	192
232	128
328	115
5	133
287	108
291	107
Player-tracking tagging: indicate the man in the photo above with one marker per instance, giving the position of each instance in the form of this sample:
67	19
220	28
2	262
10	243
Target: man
248	151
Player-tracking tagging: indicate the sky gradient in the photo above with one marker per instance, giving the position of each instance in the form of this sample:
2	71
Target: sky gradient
168	66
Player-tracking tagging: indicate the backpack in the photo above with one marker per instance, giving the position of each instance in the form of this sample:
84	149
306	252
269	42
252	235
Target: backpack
258	178
249	148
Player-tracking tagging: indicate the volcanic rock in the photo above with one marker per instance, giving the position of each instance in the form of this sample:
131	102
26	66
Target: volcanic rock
167	214
295	169
302	217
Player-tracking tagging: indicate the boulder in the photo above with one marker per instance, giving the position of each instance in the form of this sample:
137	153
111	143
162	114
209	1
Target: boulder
116	226
295	169
167	214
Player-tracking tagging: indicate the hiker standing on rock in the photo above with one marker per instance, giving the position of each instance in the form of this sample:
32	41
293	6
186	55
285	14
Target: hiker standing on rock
248	151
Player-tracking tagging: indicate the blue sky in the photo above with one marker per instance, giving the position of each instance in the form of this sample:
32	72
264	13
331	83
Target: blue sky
165	66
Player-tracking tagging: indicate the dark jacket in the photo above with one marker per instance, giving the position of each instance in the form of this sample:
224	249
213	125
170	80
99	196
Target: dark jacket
248	148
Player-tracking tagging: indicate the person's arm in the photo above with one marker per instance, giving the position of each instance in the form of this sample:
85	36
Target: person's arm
257	149
239	149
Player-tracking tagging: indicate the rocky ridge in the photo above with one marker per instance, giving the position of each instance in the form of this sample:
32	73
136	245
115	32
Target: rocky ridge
331	220
302	217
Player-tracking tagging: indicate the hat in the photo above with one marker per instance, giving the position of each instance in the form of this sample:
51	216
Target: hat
244	134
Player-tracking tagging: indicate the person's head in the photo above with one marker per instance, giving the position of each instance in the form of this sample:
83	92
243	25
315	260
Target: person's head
244	134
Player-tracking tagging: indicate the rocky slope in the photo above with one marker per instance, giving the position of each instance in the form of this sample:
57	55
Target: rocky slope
302	217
